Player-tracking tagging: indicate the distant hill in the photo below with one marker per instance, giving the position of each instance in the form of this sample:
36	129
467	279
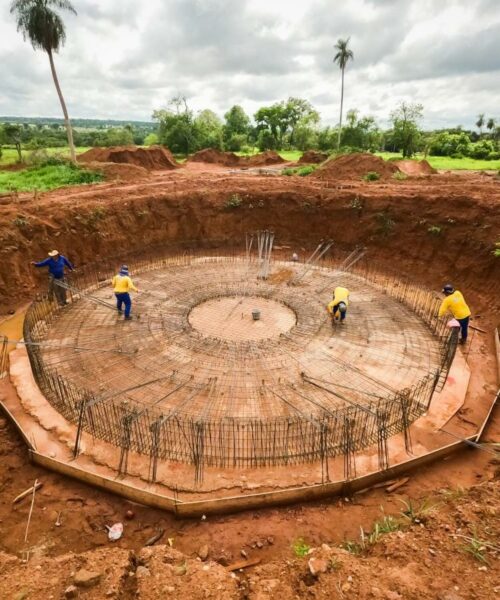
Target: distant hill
83	123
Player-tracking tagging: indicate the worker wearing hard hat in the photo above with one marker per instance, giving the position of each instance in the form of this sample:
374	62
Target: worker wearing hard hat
455	304
122	285
337	308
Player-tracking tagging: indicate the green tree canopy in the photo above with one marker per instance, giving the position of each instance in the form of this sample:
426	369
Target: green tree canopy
406	127
41	24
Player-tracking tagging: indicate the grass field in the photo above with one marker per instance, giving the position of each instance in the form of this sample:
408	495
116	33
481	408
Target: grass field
450	164
9	155
48	177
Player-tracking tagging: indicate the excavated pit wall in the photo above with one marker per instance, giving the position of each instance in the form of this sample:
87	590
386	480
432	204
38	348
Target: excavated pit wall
394	229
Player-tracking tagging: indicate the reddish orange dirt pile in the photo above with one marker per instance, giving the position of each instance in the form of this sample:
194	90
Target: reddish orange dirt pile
312	157
152	158
415	168
229	159
355	166
119	171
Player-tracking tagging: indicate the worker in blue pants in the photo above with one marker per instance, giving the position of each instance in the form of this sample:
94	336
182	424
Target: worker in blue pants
122	285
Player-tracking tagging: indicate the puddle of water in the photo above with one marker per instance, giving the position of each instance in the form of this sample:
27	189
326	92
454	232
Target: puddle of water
12	327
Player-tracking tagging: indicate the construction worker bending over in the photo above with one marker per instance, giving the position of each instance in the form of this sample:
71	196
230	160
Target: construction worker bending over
122	284
56	263
456	305
338	306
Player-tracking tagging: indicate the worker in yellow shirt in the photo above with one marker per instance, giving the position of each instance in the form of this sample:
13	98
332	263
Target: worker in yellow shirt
337	308
122	284
455	304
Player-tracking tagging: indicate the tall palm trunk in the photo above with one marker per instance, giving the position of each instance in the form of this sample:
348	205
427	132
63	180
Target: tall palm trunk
67	122
341	108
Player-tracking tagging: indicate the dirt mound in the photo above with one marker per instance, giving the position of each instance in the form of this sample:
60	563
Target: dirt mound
355	166
216	157
152	158
229	159
119	171
415	167
270	157
312	157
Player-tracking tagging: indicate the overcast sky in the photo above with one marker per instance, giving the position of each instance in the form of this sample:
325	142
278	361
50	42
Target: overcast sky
124	58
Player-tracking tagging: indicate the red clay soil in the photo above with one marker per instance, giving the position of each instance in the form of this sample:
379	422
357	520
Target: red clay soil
119	171
229	159
355	166
217	157
152	158
396	221
415	168
312	157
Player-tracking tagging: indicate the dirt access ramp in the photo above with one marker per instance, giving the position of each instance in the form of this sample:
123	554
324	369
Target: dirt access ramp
415	168
229	159
355	166
153	158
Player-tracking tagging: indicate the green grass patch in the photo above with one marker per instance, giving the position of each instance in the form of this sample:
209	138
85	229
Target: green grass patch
288	155
9	155
446	163
300	548
46	177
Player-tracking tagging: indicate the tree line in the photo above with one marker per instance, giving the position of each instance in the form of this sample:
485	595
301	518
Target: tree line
294	124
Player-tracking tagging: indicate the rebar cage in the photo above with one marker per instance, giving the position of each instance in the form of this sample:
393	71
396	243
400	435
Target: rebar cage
364	416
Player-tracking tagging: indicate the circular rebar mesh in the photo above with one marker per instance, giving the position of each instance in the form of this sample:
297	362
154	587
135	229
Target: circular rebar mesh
193	377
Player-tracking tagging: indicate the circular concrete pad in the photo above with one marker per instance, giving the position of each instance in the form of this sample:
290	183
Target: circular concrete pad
230	318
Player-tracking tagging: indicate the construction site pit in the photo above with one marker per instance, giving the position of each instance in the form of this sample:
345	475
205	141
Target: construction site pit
232	376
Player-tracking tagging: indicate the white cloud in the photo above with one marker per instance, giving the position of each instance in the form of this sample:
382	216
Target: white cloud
123	59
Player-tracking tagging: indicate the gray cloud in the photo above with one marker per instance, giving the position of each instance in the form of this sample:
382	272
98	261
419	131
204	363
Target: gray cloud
123	59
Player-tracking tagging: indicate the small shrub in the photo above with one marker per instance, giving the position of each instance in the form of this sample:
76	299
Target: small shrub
476	548
288	171
357	203
56	160
457	155
493	156
352	547
21	221
496	251
306	170
434	230
300	548
386	223
400	176
233	202
92	218
371	176
416	514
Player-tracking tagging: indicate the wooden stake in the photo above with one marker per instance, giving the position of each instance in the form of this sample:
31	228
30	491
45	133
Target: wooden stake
37	486
31	511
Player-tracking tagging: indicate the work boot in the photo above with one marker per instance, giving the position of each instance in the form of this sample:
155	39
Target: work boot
128	318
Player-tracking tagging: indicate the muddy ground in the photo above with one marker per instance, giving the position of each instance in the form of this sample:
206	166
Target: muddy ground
208	205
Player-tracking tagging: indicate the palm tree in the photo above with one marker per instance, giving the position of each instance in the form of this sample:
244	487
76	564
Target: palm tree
480	123
490	125
38	22
343	56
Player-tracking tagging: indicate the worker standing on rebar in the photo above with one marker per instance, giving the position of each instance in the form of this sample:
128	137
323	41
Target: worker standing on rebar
337	308
455	304
56	263
122	285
